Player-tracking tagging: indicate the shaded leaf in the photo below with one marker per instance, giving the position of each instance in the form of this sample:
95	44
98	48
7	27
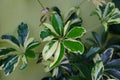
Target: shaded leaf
97	38
97	71
114	73
114	64
107	55
11	38
91	51
6	51
22	33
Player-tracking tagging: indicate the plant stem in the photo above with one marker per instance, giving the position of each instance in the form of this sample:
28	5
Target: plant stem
41	4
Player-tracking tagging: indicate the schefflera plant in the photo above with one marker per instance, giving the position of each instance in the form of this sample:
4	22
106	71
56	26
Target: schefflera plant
60	37
13	50
108	14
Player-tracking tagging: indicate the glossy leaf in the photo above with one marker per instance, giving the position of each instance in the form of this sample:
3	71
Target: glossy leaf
76	32
58	56
74	46
57	23
49	49
97	71
11	38
22	33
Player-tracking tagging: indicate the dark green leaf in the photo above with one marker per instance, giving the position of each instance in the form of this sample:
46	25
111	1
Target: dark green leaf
6	51
45	33
57	23
30	54
11	38
33	45
9	64
22	32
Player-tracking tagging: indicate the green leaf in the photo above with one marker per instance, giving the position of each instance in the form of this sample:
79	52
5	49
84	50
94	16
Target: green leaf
30	54
97	71
49	49
22	33
9	63
46	35
24	62
6	51
50	27
76	32
58	56
57	23
11	38
74	46
33	45
66	28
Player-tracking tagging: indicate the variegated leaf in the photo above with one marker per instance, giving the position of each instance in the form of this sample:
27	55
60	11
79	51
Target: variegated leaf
97	71
59	53
49	26
24	62
66	28
46	35
23	33
57	23
9	63
76	32
74	46
49	49
11	38
32	45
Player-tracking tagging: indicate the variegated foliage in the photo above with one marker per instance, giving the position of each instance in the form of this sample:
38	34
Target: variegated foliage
60	37
12	50
108	14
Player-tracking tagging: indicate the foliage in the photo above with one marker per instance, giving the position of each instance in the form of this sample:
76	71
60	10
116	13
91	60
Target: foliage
60	37
12	51
108	14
